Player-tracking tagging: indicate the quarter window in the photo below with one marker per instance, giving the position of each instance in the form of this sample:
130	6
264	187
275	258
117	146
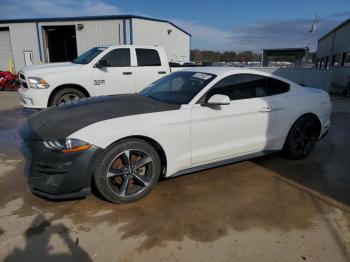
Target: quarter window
244	86
147	57
275	86
118	57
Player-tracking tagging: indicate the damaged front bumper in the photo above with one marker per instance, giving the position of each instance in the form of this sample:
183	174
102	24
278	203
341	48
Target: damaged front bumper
54	174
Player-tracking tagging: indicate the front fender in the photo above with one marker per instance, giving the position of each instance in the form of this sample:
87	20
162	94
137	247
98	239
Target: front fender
171	131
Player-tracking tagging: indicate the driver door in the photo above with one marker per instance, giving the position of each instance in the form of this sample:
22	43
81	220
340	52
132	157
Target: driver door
226	131
117	77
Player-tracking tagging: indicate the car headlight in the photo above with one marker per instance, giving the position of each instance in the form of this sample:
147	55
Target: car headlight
67	145
37	82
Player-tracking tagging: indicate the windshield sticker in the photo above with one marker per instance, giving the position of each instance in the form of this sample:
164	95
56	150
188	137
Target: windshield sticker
202	76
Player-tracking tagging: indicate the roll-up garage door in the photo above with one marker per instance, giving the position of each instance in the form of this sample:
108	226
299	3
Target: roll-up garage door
5	49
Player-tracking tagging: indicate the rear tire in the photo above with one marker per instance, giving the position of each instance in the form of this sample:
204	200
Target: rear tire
301	138
127	171
66	95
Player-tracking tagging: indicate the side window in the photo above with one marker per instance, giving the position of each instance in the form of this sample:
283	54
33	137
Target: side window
275	87
240	86
118	57
147	57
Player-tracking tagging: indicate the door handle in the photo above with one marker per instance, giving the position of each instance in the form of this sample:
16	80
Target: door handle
127	73
161	72
265	109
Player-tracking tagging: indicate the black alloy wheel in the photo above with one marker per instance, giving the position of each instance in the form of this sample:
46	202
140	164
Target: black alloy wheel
302	137
130	172
127	171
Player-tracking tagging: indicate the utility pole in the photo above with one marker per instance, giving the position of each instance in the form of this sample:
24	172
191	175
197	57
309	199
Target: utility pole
313	29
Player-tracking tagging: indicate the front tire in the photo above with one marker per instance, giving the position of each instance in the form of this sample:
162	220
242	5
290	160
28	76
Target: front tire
127	171
301	138
67	95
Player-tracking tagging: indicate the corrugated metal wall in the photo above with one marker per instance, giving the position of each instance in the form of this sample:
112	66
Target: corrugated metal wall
94	33
312	77
29	36
24	38
175	42
97	33
5	49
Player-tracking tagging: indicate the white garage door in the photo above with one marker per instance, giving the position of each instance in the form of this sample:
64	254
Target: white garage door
5	49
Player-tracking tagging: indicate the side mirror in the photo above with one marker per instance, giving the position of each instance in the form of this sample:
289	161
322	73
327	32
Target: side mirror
102	63
218	100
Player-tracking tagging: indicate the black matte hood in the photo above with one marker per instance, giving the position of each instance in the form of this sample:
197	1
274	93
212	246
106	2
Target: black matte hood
61	121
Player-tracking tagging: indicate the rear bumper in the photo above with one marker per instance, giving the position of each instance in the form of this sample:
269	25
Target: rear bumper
57	175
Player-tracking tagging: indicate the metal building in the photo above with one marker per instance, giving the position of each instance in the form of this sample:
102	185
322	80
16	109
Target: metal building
299	55
333	53
34	41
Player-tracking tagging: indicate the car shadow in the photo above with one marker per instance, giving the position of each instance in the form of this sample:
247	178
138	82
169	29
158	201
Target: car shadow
326	170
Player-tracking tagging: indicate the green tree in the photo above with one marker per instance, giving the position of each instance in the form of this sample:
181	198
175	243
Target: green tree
228	56
196	55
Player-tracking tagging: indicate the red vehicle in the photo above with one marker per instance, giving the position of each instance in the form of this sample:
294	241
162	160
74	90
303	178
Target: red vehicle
8	81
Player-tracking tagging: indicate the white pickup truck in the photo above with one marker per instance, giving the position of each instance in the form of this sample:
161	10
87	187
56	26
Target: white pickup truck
104	70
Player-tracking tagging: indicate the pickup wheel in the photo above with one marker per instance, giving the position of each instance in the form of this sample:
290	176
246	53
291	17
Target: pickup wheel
127	171
66	95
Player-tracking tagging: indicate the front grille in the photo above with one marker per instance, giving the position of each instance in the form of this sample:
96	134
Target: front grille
44	169
22	79
24	84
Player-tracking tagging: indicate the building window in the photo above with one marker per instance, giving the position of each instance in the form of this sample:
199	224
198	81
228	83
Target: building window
346	59
335	60
326	63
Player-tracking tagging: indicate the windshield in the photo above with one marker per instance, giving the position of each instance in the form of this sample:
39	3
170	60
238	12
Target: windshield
179	87
89	55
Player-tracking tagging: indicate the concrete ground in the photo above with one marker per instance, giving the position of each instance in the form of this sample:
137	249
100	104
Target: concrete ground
268	209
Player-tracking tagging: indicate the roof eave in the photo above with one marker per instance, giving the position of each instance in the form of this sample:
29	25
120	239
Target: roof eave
89	18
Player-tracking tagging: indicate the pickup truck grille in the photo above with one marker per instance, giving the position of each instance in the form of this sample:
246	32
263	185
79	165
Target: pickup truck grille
22	80
24	84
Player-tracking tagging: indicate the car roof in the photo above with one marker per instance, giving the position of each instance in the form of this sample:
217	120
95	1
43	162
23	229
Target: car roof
230	70
218	70
128	46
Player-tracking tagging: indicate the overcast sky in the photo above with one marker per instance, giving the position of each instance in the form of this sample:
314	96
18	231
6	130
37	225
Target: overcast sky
217	25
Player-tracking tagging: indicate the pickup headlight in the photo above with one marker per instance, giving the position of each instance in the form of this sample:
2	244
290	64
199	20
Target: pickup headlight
37	82
67	145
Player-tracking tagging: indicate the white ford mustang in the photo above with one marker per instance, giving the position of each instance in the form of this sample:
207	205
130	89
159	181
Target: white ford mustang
187	121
